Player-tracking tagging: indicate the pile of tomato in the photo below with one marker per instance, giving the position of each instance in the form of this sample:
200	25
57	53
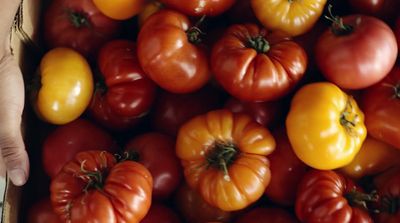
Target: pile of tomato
216	111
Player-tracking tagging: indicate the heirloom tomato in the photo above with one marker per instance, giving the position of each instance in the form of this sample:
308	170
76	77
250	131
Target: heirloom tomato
42	212
325	126
200	7
159	213
120	9
397	30
224	156
253	64
385	9
267	215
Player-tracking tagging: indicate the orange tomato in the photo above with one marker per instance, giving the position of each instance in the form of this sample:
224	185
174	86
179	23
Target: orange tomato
120	9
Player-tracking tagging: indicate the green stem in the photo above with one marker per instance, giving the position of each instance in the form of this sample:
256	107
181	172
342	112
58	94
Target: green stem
360	199
221	156
338	27
348	118
194	33
259	43
78	19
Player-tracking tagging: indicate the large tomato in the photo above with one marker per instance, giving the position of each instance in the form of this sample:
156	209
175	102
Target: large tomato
200	7
95	188
291	17
385	9
224	156
159	213
61	145
267	215
42	212
325	126
325	196
157	153
253	64
78	24
356	52
65	86
169	53
120	9
397	31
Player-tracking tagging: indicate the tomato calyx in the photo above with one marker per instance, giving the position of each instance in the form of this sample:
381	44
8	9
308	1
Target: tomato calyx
95	179
348	118
78	19
194	33
396	89
390	204
362	200
131	155
338	27
259	43
221	156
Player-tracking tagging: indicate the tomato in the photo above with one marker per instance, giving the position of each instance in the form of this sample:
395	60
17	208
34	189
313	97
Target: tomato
159	213
385	9
127	92
381	104
157	153
224	156
169	53
95	188
374	157
325	196
120	9
349	54
78	24
291	17
325	126
287	171
149	9
62	144
253	64
65	86
200	7
397	30
195	209
42	212
267	215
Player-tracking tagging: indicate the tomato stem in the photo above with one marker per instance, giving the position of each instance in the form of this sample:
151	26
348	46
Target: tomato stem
194	33
221	156
131	155
348	118
78	19
360	199
338	27
259	43
95	179
390	204
396	89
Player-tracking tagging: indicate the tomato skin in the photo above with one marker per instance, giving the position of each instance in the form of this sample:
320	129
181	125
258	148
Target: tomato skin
354	60
253	75
385	9
167	55
200	7
119	9
125	195
62	30
61	145
321	198
267	215
42	212
159	213
397	32
157	153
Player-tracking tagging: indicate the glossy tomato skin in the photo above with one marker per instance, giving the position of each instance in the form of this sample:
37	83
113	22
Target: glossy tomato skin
267	215
120	9
42	212
78	24
167	55
354	60
159	213
253	64
385	9
61	145
200	7
321	198
157	153
397	32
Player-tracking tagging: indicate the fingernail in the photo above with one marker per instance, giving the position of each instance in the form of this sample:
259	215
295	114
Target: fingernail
18	177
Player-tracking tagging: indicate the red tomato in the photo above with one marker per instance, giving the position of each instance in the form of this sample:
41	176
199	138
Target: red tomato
63	143
78	24
397	31
169	53
385	9
157	153
42	212
357	54
159	213
267	215
200	7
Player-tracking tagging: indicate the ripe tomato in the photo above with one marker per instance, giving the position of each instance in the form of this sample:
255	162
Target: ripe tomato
61	145
224	156
267	215
169	53
95	188
65	88
325	126
159	213
356	52
291	17
255	65
397	30
200	7
157	153
385	9
78	24
42	212
325	196
120	9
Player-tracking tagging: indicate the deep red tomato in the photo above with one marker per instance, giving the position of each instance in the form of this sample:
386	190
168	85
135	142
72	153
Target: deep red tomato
78	24
169	52
356	52
61	145
267	215
385	9
126	92
157	153
253	64
200	7
381	106
42	212
325	196
159	213
287	170
397	32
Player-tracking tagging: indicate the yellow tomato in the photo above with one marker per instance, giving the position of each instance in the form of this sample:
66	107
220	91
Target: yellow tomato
149	9
293	17
325	126
120	9
66	86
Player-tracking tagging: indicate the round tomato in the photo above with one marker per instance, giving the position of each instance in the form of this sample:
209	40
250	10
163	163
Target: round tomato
325	126
95	188
159	213
290	16
253	64
42	212
356	52
224	156
78	24
385	9
65	88
61	145
200	7
157	153
120	9
169	53
397	30
267	215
